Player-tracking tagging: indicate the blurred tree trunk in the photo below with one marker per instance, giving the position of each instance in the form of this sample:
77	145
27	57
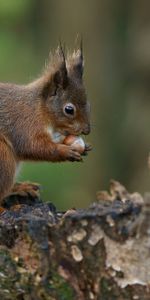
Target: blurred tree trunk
138	92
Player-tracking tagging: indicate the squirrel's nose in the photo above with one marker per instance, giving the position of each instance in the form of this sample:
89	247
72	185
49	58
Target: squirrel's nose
86	130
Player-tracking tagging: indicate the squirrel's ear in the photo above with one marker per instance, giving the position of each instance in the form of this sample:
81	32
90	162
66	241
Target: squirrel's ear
56	75
76	63
60	76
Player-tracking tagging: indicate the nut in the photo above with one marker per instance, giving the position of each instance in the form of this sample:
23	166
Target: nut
75	141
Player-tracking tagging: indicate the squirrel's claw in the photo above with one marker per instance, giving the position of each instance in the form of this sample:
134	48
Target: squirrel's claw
88	147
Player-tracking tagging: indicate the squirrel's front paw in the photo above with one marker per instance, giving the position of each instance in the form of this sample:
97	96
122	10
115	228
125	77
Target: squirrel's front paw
68	153
74	155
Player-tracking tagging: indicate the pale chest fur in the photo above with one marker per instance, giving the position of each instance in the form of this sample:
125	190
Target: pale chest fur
55	136
18	169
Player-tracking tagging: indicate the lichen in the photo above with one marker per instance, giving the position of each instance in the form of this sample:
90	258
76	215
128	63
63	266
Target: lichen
131	258
76	253
77	235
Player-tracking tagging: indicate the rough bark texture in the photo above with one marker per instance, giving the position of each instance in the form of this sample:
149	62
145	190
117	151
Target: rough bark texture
102	252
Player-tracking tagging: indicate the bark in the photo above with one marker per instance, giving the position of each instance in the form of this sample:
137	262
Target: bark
102	252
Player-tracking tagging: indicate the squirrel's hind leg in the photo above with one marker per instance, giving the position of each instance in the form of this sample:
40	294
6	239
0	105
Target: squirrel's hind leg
7	167
26	189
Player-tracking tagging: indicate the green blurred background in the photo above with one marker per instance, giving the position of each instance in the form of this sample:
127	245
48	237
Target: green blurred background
116	38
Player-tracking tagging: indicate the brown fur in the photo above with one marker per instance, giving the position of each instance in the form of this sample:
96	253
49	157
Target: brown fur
26	111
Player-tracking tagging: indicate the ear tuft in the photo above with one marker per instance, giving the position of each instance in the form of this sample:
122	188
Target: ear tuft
60	75
56	75
76	63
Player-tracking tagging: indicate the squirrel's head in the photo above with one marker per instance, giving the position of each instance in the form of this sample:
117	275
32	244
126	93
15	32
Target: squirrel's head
64	95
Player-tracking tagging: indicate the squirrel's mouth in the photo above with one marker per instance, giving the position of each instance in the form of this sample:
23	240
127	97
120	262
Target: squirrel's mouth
70	131
58	135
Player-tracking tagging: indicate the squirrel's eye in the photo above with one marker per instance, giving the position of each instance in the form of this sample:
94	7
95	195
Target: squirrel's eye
69	109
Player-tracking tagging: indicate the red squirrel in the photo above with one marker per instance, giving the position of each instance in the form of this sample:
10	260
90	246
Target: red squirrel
55	102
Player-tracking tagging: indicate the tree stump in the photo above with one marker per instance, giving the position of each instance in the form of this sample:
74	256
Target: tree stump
102	252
